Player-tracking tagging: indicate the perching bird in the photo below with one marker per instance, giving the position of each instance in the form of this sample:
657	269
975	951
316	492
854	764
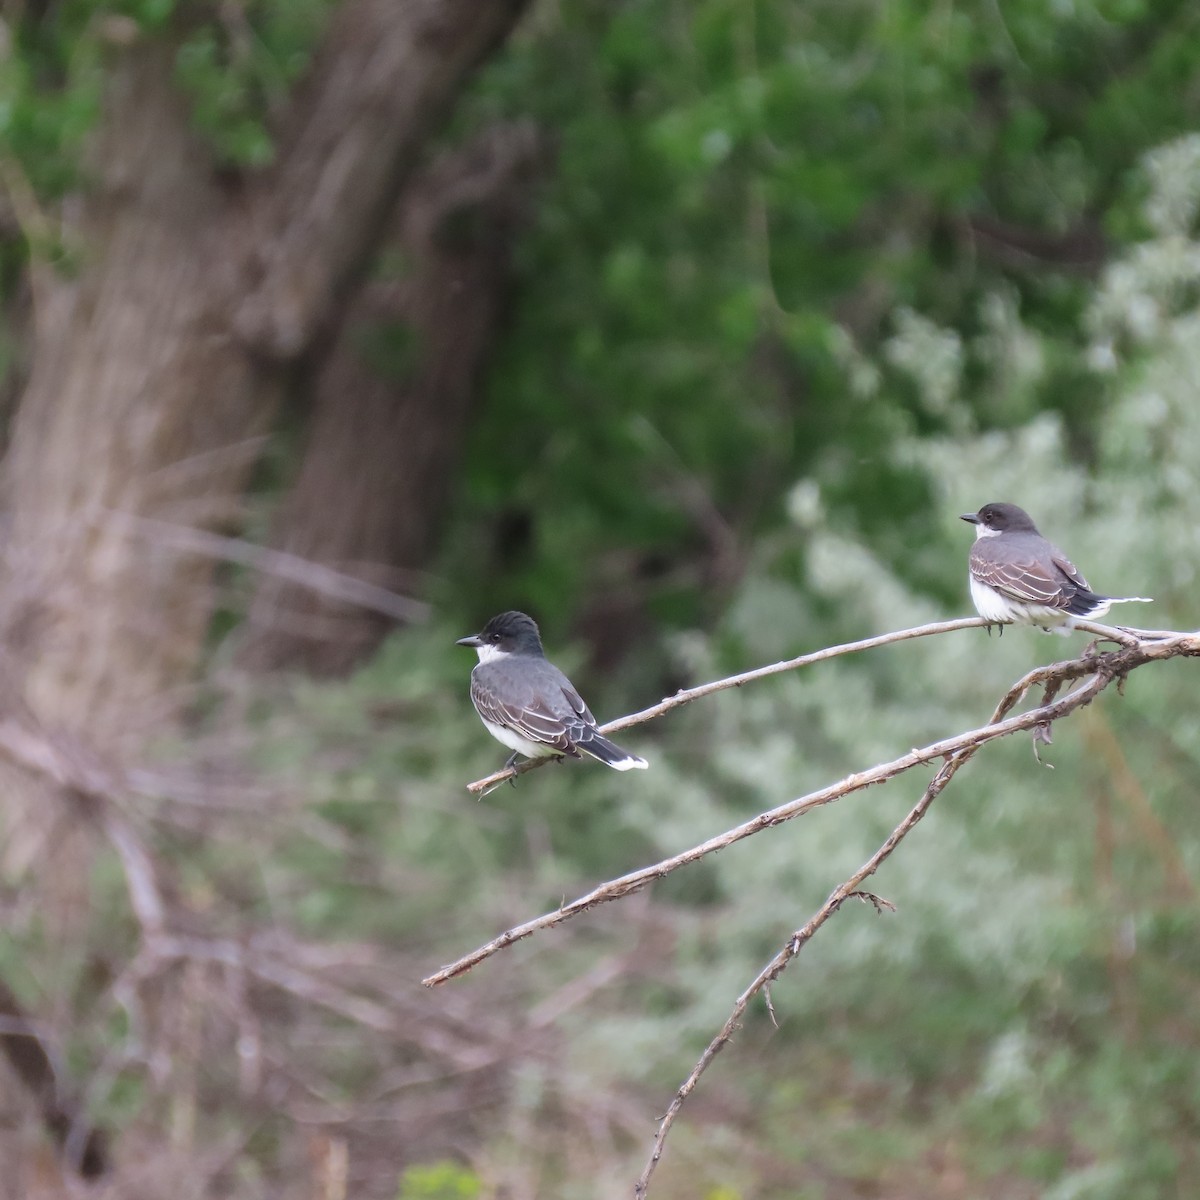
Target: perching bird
1017	575
528	703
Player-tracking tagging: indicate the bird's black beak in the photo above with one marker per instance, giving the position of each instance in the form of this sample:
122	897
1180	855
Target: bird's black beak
473	640
970	518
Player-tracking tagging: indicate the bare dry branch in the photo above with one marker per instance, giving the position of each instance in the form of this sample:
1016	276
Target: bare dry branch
266	967
141	877
1102	668
837	897
383	76
79	773
687	695
1105	632
1053	679
1098	670
302	572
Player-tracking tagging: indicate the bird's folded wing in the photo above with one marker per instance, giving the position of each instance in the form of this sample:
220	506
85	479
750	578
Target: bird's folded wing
1029	582
1071	571
581	714
534	721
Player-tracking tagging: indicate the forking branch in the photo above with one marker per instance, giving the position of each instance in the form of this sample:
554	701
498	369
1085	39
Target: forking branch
1097	670
1106	667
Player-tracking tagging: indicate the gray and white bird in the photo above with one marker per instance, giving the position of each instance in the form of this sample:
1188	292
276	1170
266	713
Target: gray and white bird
528	704
1018	576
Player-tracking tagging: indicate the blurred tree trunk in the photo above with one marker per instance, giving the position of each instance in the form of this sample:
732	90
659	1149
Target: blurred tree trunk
157	360
132	378
391	405
156	363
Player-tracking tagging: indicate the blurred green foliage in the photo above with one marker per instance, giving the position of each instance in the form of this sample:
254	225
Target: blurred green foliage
238	70
50	84
439	1181
747	199
236	62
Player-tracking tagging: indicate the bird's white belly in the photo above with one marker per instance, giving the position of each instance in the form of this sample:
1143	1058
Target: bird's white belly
522	745
992	606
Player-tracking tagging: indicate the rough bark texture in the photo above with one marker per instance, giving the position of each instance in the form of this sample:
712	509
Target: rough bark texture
136	403
391	405
382	75
150	385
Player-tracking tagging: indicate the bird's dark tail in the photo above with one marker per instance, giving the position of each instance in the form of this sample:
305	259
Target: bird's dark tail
609	753
1086	603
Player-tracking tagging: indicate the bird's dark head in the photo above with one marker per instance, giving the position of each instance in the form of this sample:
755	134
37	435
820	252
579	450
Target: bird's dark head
508	633
999	517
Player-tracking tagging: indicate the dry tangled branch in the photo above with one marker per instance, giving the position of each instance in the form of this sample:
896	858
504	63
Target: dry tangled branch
1114	665
1097	671
1051	679
200	981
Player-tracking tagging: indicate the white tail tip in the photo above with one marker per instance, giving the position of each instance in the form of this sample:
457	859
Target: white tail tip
630	764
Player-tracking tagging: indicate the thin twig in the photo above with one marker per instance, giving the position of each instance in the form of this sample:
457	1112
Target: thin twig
1110	667
80	774
687	695
141	877
636	880
837	897
287	978
336	585
1110	633
1105	667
